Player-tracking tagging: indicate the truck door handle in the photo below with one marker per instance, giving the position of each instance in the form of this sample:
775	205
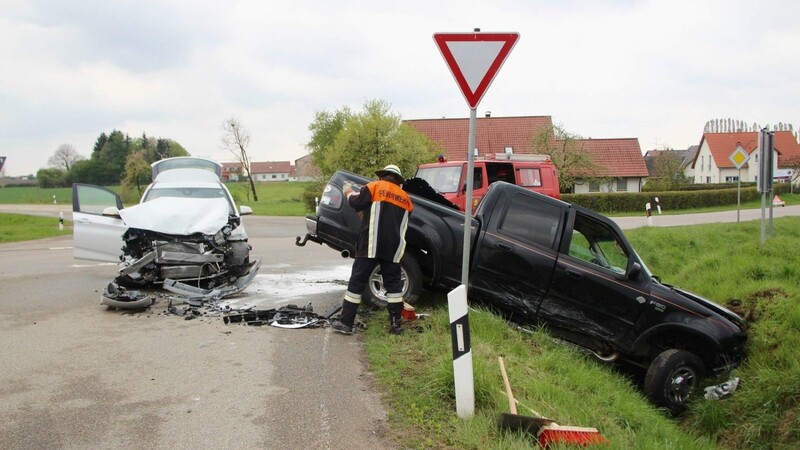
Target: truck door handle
573	274
504	247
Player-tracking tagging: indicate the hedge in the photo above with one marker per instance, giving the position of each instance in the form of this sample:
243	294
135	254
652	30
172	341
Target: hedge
619	202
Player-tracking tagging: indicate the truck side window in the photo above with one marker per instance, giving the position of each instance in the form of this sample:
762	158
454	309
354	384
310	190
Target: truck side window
529	177
531	220
595	243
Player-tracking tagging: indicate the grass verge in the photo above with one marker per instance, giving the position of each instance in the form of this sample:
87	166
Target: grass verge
720	261
18	227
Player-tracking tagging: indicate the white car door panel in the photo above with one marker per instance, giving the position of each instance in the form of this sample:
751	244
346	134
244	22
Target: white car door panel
96	237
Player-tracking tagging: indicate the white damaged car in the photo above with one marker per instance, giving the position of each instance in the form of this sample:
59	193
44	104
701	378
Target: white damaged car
186	233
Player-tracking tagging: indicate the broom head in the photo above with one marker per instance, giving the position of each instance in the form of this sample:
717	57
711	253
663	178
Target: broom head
558	434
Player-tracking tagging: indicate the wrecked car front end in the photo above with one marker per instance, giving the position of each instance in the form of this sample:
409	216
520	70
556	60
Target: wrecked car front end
191	241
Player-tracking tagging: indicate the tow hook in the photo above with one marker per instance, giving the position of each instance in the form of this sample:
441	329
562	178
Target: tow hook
301	241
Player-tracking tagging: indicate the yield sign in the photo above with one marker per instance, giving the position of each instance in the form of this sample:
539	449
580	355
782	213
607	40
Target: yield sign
474	59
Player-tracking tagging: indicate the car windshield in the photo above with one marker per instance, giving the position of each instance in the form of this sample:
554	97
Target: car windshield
443	178
188	192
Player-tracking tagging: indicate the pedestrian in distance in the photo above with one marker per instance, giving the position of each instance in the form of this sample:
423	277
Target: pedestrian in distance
384	208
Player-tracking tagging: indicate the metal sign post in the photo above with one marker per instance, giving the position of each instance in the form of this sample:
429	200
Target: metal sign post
765	177
739	158
474	59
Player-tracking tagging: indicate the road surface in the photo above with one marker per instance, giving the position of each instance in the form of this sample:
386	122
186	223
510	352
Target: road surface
79	375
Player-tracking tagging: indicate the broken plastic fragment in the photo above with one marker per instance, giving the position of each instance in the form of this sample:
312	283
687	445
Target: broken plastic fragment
721	391
117	296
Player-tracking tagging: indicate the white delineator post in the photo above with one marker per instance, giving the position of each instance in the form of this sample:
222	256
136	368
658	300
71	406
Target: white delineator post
462	352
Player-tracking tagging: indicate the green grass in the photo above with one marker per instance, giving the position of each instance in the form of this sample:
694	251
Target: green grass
721	261
274	199
35	195
18	227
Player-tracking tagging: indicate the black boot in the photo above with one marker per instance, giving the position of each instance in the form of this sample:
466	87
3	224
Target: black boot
345	323
395	317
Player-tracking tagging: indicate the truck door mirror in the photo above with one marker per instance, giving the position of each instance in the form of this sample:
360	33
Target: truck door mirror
633	271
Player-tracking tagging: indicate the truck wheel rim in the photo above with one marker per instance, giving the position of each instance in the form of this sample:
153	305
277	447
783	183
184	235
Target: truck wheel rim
377	287
681	385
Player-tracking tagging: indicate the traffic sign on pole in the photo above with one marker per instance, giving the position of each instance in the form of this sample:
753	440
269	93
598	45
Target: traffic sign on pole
474	59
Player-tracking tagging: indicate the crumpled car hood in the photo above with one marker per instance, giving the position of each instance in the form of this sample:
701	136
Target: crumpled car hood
179	216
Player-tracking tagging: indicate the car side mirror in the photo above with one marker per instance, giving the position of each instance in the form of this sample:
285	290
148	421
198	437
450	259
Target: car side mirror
111	211
245	210
633	271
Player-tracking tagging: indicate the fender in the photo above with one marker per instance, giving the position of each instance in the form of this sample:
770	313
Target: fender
706	346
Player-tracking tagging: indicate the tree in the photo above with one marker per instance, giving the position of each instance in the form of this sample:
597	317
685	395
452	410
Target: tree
236	139
137	176
64	158
572	162
324	129
51	178
667	171
367	141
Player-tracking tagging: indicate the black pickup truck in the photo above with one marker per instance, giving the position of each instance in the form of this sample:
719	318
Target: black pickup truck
539	260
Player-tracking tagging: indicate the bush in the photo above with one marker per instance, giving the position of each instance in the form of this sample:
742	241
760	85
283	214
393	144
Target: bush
616	202
311	194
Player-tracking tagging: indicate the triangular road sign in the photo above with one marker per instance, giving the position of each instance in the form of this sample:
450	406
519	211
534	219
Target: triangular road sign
474	59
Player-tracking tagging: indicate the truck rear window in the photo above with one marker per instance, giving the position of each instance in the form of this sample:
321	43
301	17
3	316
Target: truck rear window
531	220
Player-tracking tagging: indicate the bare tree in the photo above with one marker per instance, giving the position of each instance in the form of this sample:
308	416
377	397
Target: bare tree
64	157
573	163
236	140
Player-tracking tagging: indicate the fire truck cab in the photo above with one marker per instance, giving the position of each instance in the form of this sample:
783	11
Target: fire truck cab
534	172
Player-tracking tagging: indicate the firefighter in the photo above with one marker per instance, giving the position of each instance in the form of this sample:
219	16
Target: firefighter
384	209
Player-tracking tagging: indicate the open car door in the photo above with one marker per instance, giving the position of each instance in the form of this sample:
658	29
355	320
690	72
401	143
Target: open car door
96	236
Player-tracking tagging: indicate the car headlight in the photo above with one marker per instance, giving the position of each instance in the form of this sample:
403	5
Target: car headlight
220	237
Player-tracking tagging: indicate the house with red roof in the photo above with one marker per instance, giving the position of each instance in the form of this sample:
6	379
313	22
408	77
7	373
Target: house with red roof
712	164
260	171
619	159
510	135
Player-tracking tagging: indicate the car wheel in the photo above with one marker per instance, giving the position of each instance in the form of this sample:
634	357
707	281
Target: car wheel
672	379
238	257
410	273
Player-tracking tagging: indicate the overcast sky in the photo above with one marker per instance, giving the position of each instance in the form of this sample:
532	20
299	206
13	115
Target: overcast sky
653	70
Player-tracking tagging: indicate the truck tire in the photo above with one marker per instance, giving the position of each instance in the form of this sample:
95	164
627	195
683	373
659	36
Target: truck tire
410	273
673	379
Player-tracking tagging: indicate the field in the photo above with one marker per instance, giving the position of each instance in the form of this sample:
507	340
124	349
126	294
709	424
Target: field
274	199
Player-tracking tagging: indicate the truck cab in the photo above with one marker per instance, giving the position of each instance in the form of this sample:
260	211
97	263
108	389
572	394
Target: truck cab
533	172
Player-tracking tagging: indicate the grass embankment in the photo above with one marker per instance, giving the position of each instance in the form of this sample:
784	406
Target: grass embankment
721	261
274	199
18	227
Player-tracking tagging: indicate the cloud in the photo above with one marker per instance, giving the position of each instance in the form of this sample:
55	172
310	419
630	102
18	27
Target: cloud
656	70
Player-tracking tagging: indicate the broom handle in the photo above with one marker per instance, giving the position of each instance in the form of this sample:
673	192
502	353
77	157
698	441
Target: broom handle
512	404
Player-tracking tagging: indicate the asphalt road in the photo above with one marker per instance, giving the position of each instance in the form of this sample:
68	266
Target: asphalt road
280	226
79	375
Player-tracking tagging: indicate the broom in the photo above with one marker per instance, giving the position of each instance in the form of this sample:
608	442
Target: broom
549	431
558	434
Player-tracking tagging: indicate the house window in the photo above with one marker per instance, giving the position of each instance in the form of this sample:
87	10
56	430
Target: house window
731	179
622	185
594	186
702	163
708	180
